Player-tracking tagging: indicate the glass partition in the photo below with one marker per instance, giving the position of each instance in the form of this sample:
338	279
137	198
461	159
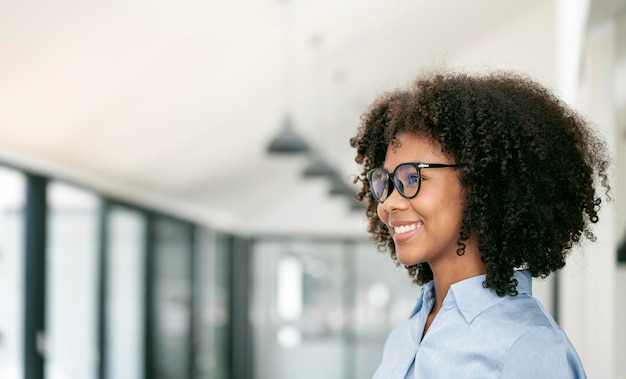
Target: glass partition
213	305
323	309
12	190
173	300
72	283
298	309
384	297
125	293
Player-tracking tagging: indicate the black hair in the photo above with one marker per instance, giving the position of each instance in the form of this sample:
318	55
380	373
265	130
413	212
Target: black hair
530	163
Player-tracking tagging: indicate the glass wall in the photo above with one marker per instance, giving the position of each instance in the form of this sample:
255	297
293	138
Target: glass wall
72	283
213	305
113	276
125	294
298	309
384	297
335	301
12	190
173	299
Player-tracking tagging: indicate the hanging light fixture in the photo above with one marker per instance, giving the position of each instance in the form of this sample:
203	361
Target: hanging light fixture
287	141
339	186
319	168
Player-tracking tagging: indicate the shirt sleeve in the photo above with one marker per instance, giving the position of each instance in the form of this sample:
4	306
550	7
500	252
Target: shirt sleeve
543	352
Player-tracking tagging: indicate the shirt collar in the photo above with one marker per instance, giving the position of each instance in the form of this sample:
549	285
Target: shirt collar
471	298
427	295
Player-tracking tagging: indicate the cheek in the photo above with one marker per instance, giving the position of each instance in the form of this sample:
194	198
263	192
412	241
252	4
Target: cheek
447	207
456	210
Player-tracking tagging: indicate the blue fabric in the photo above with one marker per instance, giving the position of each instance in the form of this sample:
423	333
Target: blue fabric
478	334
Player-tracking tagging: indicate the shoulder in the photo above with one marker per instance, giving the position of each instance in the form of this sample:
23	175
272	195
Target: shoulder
521	318
512	316
538	348
542	352
524	311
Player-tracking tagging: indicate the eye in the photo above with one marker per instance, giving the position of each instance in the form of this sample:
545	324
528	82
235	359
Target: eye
412	179
408	175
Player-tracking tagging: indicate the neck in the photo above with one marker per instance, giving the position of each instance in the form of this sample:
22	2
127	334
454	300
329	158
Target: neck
446	274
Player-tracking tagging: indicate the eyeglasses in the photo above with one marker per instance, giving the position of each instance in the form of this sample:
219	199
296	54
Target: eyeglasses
406	178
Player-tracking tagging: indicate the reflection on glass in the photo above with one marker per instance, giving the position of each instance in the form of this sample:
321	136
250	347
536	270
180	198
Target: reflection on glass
289	337
12	191
378	295
298	310
71	349
289	288
125	293
212	329
334	301
173	299
383	298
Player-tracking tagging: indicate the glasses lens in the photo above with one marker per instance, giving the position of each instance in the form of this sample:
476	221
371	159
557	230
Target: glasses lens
379	184
407	180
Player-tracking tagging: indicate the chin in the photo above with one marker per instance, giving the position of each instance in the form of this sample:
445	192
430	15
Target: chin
406	261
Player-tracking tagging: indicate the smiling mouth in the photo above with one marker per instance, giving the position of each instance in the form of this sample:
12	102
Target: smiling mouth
404	228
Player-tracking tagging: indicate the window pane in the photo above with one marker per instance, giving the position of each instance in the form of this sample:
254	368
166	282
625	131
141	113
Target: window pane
125	293
298	310
213	318
384	297
172	299
12	191
71	350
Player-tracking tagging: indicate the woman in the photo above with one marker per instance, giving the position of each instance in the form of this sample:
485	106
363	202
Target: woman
476	184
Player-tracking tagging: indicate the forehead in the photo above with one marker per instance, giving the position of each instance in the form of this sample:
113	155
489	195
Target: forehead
409	147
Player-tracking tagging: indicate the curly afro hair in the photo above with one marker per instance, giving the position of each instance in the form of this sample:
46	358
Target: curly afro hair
531	166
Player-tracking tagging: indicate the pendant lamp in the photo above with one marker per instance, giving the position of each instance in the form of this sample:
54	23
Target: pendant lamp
288	141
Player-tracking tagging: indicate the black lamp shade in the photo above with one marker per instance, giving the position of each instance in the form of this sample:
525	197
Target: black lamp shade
318	169
339	187
288	141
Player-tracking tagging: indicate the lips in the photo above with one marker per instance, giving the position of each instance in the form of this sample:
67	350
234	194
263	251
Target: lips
404	230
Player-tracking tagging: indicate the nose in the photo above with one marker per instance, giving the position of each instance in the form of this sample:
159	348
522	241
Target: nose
395	202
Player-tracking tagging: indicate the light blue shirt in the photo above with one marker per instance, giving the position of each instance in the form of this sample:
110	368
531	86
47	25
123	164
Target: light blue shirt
478	334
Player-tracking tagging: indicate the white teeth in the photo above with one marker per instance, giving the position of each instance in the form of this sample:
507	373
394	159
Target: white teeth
404	228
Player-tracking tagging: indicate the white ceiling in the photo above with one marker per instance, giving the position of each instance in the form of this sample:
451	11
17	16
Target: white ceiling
172	103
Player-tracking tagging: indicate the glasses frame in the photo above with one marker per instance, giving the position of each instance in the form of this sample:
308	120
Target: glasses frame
391	178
